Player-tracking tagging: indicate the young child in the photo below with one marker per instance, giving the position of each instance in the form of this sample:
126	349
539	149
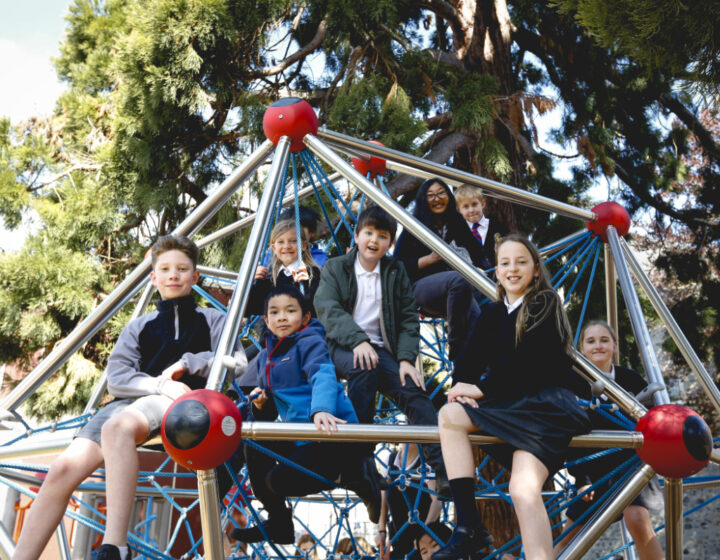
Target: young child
598	343
285	268
471	205
365	302
309	223
439	290
297	384
425	543
157	358
513	381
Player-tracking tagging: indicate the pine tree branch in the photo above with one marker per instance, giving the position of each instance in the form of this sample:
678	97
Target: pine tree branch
704	136
445	58
441	120
68	171
444	9
298	55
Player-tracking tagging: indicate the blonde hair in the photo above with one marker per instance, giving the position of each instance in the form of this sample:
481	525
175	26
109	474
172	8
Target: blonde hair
467	192
597	323
275	264
540	285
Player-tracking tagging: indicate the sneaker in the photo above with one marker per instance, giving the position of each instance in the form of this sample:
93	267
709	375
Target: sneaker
279	529
110	552
368	489
463	542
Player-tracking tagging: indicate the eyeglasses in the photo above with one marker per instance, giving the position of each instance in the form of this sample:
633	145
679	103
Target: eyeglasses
441	195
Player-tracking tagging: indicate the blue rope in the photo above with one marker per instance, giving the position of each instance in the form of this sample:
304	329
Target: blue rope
298	232
587	296
580	273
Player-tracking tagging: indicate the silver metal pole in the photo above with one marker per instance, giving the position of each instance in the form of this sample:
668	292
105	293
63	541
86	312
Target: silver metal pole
7	545
611	296
630	553
640	330
62	542
498	190
599	523
673	518
32	449
705	379
132	283
218	272
412	224
207	482
556	246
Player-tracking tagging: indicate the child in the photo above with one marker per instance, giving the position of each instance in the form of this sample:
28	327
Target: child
285	268
157	358
512	382
598	343
298	385
308	222
425	543
439	290
471	205
365	302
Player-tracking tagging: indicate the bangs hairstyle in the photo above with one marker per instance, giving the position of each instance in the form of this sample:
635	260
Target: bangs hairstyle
290	291
442	531
465	193
307	259
540	285
422	210
376	217
597	323
174	243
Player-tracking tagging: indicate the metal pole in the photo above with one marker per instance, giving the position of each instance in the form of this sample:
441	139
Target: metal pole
640	330
7	545
705	379
630	553
412	224
62	542
611	296
132	283
555	246
207	482
498	190
598	523
673	518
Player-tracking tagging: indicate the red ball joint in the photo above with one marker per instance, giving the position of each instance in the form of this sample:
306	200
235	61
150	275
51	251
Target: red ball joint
291	117
374	165
201	429
609	214
678	442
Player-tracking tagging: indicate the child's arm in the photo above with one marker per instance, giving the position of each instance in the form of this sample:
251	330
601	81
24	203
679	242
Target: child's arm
338	322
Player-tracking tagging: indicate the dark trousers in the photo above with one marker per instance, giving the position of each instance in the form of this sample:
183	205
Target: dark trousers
273	481
449	295
363	385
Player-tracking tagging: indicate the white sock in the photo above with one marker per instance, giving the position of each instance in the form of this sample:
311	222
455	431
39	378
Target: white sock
123	552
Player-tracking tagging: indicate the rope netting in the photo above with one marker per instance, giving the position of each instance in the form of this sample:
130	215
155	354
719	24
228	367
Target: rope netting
167	517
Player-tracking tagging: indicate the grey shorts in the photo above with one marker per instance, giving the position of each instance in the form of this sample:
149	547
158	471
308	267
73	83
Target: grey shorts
153	407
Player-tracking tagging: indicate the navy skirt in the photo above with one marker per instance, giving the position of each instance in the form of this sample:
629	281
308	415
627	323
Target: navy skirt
542	423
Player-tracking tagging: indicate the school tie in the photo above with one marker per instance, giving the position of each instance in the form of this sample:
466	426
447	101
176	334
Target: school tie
476	233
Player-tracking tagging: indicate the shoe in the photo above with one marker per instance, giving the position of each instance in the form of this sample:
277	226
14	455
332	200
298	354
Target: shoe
110	552
279	529
368	489
442	485
463	542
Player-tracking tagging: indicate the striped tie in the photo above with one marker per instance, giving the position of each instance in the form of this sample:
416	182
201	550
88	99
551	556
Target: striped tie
476	233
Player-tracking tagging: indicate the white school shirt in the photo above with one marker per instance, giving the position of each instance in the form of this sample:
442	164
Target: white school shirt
369	299
513	306
289	270
483	227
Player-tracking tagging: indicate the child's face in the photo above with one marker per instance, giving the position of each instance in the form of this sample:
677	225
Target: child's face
372	245
472	210
427	546
173	274
515	269
598	346
285	247
284	316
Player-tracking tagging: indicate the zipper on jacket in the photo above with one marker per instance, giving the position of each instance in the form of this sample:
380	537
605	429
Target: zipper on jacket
177	322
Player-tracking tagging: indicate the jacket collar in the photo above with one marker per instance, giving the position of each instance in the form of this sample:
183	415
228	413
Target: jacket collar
184	303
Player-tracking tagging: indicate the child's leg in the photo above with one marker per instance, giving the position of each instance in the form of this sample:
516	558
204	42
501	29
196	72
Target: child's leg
120	437
637	519
362	384
526	481
81	458
562	543
455	426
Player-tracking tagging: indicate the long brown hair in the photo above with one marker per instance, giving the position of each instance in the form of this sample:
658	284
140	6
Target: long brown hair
540	285
275	264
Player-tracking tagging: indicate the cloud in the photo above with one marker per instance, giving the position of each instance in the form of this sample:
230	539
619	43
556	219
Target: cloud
30	85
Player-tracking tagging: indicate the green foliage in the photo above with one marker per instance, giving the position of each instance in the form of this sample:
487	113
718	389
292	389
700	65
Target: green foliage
471	103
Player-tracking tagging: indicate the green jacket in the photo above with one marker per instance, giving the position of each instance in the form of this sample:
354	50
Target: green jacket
335	300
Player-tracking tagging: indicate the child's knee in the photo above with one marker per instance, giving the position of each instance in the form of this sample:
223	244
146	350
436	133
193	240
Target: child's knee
451	415
637	519
523	492
119	426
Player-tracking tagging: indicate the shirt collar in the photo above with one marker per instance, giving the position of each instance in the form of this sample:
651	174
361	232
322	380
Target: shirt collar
288	270
360	269
513	306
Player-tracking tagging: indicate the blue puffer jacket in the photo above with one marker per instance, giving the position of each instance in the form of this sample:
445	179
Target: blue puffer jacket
298	373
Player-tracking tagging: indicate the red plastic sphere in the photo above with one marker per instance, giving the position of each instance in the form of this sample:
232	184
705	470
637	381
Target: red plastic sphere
291	117
375	165
609	214
201	429
678	442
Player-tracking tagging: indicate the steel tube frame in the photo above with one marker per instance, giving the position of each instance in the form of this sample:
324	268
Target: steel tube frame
499	190
132	283
207	482
62	542
692	359
7	544
639	326
599	523
611	295
630	552
673	518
